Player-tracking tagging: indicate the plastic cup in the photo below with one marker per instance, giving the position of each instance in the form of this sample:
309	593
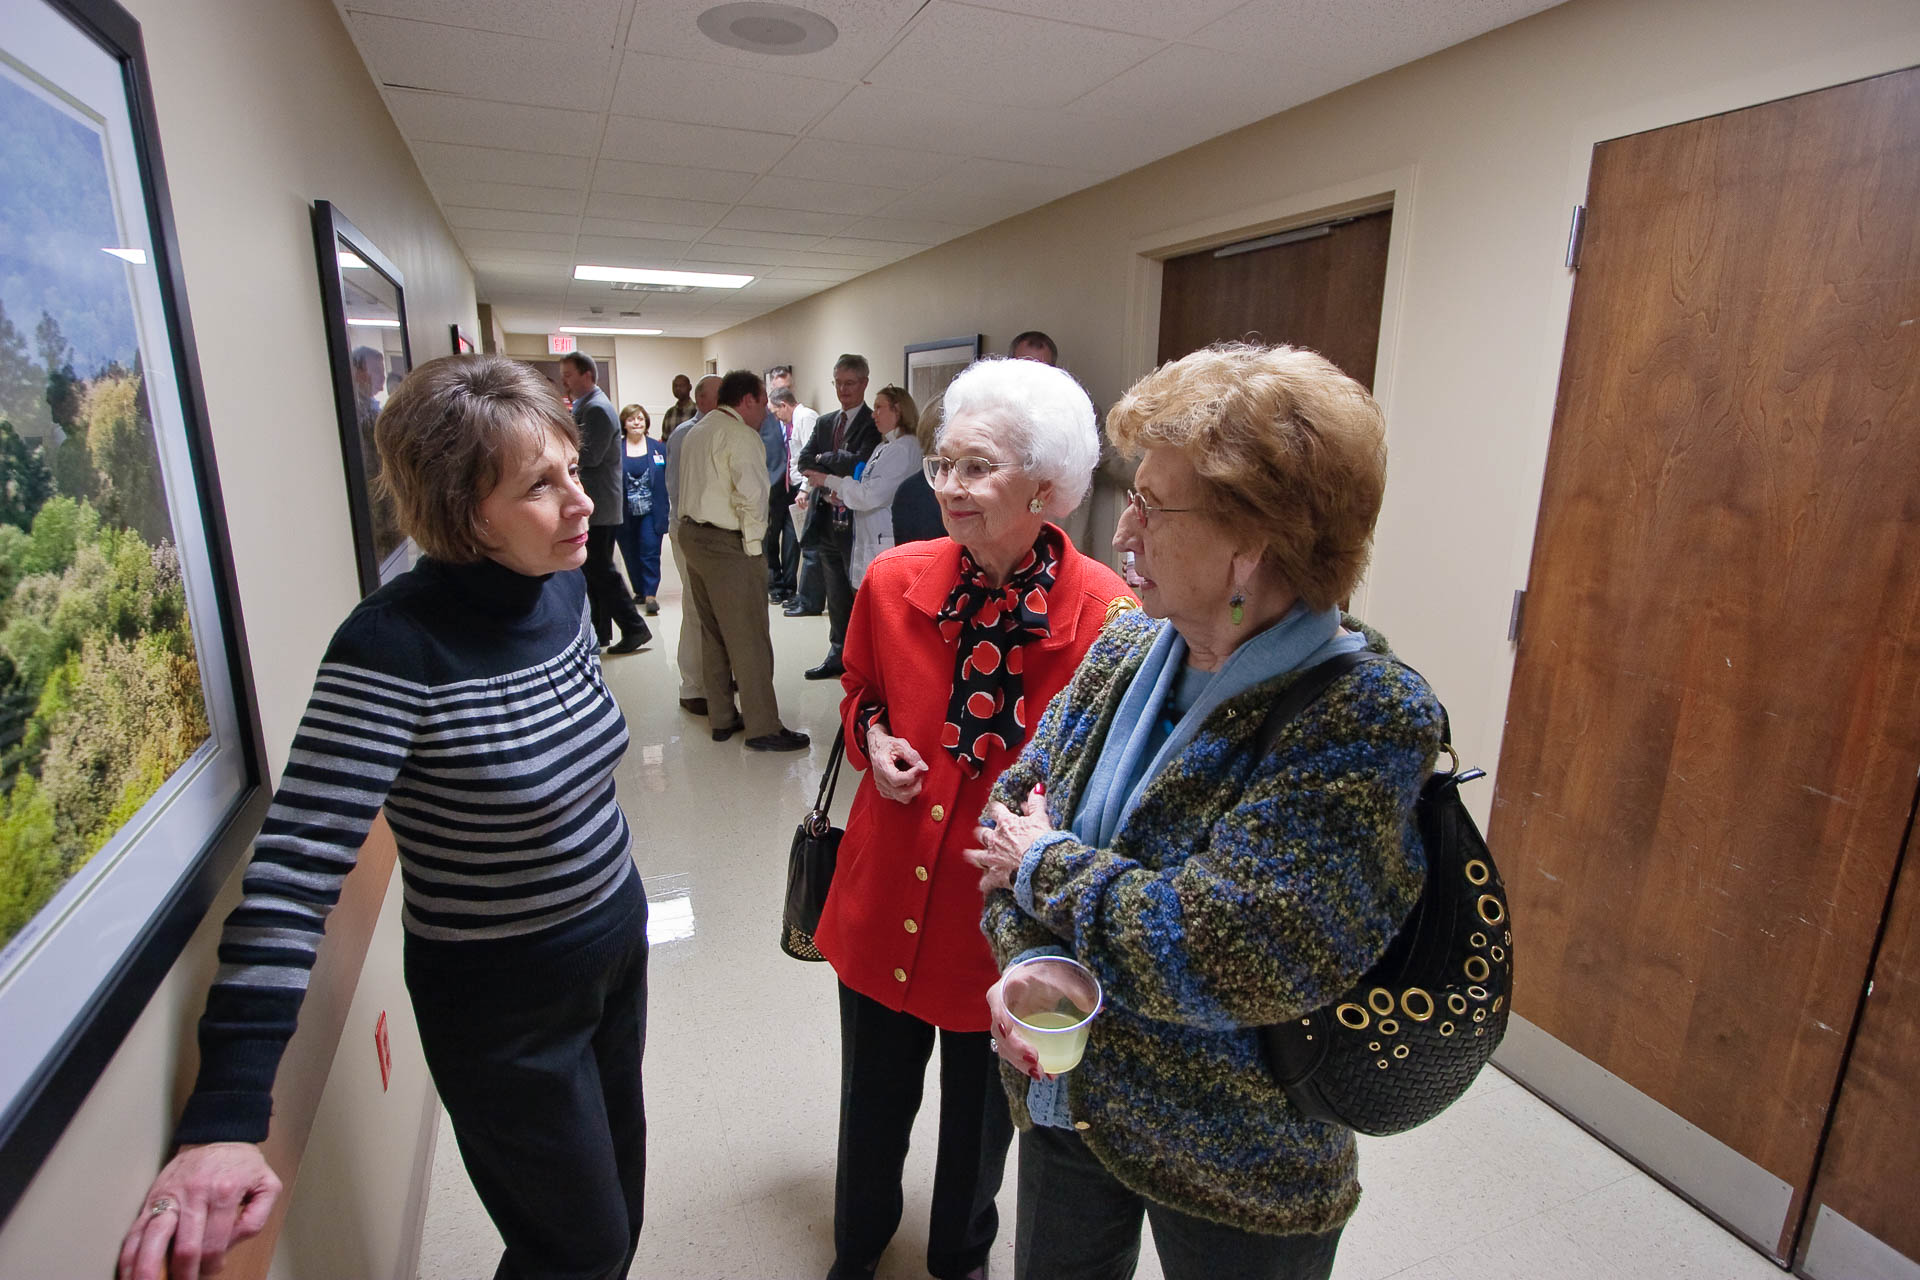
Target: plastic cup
1053	1000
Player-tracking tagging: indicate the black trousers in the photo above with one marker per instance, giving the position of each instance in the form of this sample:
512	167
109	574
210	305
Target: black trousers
607	596
808	587
782	542
541	1080
883	1063
836	549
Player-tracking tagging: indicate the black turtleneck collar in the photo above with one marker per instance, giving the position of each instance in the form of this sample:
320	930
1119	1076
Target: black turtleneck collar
489	586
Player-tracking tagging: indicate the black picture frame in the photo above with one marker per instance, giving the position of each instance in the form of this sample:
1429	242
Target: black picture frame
381	552
131	909
928	367
462	344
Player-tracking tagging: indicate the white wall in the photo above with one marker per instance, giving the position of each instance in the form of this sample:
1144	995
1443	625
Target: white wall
262	109
1487	145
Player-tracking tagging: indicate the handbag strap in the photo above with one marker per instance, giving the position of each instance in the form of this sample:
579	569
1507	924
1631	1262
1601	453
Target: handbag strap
1316	680
823	801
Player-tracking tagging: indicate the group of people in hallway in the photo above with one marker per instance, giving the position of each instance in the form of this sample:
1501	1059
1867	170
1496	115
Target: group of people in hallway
1054	761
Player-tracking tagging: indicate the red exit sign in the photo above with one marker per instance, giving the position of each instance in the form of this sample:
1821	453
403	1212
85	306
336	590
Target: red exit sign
560	344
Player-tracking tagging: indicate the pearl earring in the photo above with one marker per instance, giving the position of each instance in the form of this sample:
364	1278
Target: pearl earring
1239	603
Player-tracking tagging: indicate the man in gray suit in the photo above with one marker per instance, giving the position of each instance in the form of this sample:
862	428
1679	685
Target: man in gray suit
601	452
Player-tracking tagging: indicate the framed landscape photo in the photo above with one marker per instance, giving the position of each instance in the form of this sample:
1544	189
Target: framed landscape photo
932	365
131	768
365	304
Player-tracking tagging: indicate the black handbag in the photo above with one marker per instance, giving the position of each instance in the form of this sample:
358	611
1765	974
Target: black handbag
810	863
1412	1034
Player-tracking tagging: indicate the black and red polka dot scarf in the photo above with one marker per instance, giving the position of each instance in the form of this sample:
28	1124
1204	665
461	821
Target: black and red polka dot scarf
987	710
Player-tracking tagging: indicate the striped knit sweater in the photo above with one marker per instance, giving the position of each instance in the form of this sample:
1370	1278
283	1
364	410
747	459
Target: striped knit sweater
468	700
1241	892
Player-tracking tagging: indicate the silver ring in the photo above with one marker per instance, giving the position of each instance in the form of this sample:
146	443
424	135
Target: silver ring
993	1044
165	1204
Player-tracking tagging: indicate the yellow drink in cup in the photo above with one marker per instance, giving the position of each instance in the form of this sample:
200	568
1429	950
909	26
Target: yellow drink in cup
1053	1001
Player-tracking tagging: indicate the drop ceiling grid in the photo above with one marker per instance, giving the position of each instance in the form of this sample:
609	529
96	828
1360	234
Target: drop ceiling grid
578	130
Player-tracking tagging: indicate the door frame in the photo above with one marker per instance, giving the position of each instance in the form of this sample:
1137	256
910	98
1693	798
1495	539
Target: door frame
1391	189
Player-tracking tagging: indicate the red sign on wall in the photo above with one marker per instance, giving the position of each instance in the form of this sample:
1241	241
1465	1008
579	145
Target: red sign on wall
383	1050
559	344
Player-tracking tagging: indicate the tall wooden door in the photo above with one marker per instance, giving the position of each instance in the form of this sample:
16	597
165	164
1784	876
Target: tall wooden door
1323	292
1714	725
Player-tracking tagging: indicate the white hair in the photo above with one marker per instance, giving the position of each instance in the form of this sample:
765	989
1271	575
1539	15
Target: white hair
1042	416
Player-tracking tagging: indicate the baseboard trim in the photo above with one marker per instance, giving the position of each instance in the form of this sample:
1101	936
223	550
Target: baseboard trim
1839	1250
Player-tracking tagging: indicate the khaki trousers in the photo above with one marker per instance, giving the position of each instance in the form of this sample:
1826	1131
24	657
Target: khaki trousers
686	654
727	592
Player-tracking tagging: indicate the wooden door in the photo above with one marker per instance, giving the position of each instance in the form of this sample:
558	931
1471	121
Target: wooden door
1869	1178
1324	293
1714	724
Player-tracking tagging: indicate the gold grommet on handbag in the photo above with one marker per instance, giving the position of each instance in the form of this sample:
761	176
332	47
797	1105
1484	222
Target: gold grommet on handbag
1478	993
1492	910
1477	968
1388	1027
1380	1000
1498	953
1407	999
1401	1051
1479	1015
1446	1028
1383	1064
1352	1016
1478	872
1497	1002
1456	1002
1477	940
1373	1046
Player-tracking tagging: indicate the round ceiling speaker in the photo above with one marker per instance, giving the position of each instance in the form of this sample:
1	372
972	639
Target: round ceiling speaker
757	27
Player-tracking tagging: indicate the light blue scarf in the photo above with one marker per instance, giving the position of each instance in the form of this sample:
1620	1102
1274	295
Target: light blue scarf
1121	775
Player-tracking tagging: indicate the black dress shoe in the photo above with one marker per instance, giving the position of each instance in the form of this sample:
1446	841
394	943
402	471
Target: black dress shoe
632	641
795	609
651	608
777	596
698	706
785	740
827	670
721	735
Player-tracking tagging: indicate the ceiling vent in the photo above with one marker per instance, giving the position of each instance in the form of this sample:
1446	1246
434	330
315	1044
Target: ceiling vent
779	29
632	287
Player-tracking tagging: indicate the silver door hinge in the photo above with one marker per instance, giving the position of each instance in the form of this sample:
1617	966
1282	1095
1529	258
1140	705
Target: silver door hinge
1513	618
1576	235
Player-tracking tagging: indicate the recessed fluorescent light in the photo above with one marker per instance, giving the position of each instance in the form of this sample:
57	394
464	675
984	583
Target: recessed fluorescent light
138	257
353	262
367	322
647	275
624	333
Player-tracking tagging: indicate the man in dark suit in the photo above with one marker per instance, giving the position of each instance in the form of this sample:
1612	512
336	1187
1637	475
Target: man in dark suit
841	441
601	454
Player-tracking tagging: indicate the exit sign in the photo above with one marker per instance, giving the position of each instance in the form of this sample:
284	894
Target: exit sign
559	344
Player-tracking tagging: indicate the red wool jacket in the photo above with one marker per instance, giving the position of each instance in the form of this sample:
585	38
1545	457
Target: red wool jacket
902	924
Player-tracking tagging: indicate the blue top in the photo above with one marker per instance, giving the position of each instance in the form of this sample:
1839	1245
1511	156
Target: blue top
646	474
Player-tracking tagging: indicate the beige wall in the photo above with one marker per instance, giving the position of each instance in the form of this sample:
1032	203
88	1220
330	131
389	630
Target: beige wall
262	109
1486	146
647	366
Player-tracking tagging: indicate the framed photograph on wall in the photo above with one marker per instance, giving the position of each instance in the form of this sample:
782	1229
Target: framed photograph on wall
462	344
132	774
365	304
931	366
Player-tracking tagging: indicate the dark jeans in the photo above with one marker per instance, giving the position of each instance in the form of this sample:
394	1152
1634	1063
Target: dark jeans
809	588
1075	1221
782	542
640	549
835	551
607	596
883	1063
541	1080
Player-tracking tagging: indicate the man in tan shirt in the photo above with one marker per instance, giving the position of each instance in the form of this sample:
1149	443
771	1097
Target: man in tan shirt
722	517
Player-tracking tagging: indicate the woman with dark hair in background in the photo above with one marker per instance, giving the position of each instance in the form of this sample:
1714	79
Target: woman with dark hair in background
643	471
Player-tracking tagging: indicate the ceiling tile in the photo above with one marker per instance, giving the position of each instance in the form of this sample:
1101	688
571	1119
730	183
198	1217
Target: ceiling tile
591	20
499	68
823	274
462	218
822	160
1299	35
639	230
916	231
503	195
819	197
654	209
982	55
706	93
989	190
852	246
915	121
625	251
626	178
447	117
1157	18
667	28
481	241
1205	91
490	164
703	146
793	221
527	258
754	261
760	239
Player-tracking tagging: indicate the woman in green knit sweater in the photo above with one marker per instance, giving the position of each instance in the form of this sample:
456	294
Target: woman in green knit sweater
1211	892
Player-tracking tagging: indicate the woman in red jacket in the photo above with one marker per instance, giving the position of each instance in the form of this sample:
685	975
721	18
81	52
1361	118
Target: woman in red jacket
954	649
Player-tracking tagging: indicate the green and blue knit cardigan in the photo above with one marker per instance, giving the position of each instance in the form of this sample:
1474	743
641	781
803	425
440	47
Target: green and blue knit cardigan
1241	892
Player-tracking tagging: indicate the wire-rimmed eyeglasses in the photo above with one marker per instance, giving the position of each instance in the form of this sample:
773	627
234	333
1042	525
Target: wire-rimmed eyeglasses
1146	510
967	471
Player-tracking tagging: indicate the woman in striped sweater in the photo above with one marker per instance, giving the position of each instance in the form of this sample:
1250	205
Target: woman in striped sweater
465	698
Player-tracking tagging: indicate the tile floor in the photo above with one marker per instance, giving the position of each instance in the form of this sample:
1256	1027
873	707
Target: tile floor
743	1061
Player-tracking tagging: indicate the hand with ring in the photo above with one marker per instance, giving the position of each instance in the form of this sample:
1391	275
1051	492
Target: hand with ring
1005	1037
208	1199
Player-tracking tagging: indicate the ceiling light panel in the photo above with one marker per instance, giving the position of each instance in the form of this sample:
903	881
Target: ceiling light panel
649	275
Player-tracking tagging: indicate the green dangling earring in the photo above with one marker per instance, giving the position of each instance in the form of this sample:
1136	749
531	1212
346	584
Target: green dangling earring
1239	603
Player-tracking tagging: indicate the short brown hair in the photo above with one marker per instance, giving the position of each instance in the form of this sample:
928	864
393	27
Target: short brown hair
449	434
1291	454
